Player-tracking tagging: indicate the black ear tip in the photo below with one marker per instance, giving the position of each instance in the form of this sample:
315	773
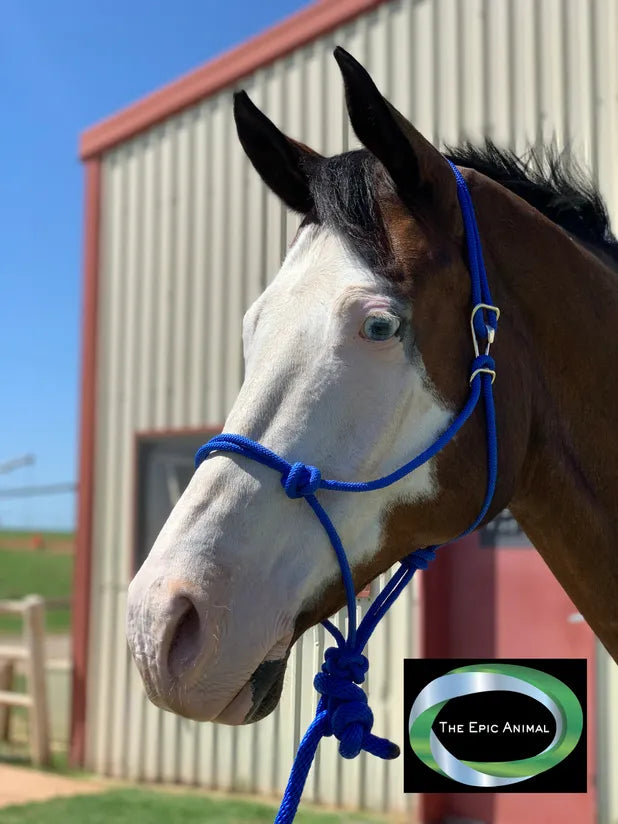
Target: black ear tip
351	69
241	98
244	107
343	57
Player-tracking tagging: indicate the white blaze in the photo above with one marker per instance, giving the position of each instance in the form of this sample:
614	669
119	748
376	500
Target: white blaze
315	391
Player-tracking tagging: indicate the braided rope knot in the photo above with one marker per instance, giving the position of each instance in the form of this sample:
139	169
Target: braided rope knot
345	664
483	362
301	480
420	558
347	714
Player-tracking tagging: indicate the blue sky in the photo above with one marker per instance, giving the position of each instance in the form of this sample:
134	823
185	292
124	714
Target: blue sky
63	66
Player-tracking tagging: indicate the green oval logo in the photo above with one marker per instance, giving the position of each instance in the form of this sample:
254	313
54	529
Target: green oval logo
549	691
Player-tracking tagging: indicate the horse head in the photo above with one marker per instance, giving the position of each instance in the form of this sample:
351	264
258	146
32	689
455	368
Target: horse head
356	358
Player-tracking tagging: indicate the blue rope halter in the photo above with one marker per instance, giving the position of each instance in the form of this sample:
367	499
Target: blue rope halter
343	710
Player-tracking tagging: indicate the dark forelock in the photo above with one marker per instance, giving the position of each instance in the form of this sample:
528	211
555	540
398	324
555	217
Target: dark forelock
346	194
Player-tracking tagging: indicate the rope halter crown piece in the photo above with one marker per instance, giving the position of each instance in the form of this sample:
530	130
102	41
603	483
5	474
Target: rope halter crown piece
343	710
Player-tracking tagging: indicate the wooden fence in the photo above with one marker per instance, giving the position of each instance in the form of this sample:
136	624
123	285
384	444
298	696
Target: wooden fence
32	652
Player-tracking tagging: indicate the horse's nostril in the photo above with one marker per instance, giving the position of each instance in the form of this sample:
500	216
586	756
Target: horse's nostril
185	643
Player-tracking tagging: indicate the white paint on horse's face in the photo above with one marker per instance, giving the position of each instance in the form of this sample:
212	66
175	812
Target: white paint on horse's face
245	556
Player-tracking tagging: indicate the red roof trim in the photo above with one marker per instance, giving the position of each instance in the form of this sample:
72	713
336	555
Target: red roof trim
295	31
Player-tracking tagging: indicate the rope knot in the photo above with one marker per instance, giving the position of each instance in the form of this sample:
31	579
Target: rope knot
420	558
347	715
301	480
483	362
351	725
345	664
349	718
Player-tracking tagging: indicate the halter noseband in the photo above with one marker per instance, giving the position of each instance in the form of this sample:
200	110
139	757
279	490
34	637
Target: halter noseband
343	710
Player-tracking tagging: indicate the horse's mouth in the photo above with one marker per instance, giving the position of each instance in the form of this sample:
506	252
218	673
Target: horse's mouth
267	684
261	692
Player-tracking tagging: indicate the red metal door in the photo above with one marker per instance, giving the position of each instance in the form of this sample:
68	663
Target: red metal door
501	601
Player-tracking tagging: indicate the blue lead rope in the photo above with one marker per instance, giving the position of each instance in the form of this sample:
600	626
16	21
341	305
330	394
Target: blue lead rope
342	709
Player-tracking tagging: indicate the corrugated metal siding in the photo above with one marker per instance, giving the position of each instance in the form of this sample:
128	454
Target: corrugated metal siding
607	733
190	237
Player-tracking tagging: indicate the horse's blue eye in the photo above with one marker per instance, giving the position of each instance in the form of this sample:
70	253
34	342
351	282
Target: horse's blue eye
380	327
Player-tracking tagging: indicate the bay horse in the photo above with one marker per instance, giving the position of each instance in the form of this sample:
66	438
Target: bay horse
357	358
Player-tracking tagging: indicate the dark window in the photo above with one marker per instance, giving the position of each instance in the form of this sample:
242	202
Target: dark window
164	469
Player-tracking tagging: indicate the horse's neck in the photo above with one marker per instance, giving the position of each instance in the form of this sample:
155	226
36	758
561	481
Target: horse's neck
565	325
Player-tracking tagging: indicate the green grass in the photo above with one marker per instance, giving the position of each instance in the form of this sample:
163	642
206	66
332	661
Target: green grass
128	806
25	573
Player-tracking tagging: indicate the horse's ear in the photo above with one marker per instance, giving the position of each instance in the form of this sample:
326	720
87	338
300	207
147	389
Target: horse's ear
416	167
283	164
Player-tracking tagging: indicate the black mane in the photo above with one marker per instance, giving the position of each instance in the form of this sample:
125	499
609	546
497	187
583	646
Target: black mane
552	182
346	190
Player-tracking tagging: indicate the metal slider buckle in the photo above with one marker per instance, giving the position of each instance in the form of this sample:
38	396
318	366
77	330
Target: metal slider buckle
491	332
490	335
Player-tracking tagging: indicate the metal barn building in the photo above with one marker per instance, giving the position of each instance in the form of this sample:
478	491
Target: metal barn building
180	237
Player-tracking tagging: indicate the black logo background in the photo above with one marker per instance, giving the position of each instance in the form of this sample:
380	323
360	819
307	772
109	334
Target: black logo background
570	776
497	707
